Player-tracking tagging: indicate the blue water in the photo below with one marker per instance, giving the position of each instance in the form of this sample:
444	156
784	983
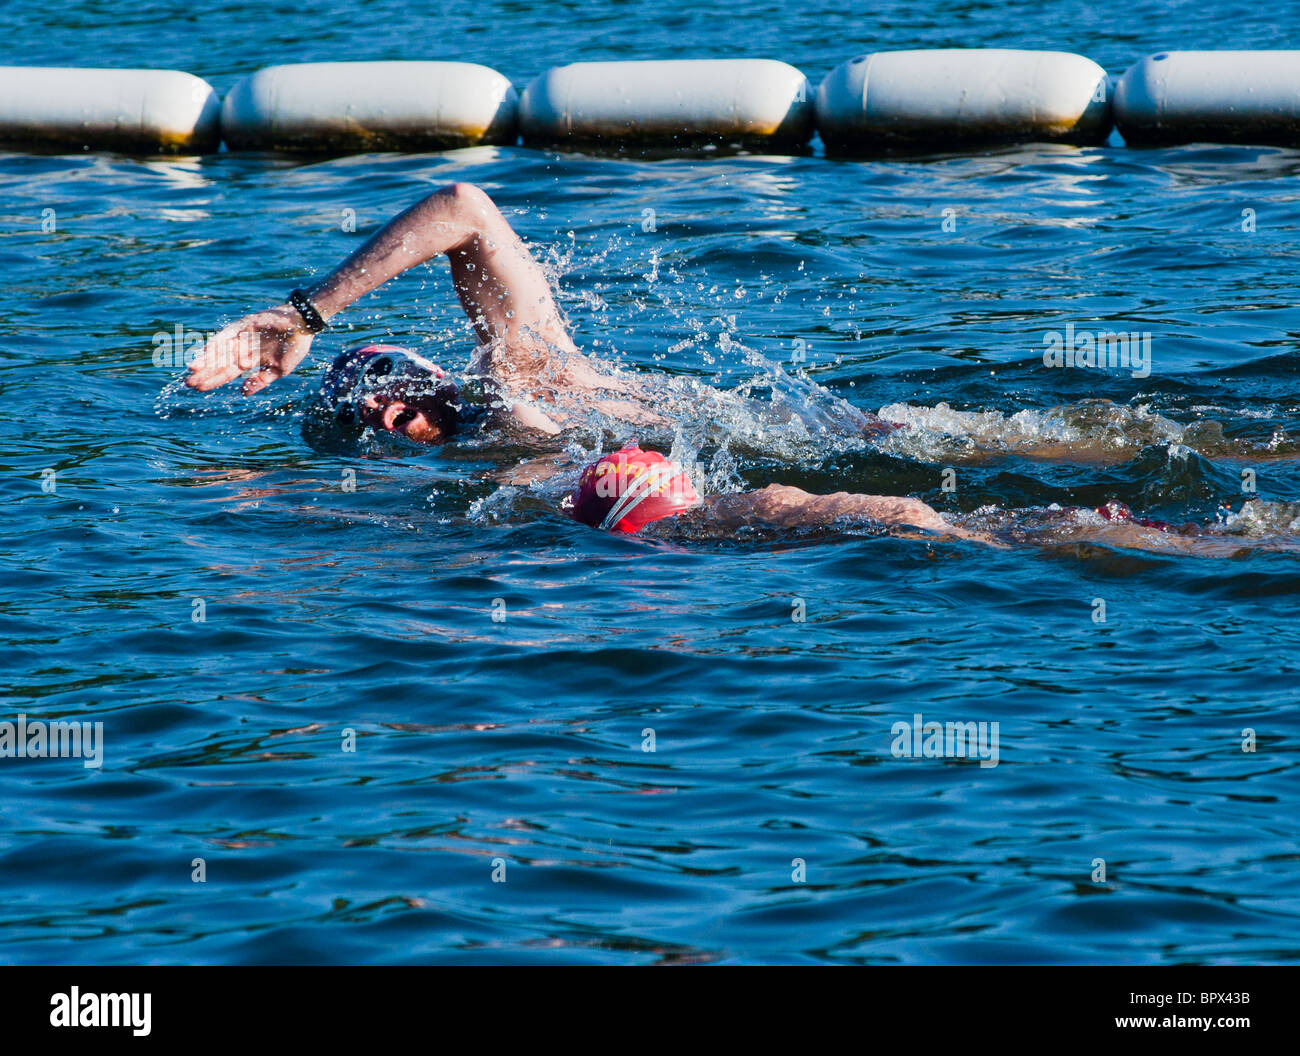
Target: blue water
521	742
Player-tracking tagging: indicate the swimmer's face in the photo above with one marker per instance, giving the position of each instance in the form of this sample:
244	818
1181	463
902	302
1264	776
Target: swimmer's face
409	408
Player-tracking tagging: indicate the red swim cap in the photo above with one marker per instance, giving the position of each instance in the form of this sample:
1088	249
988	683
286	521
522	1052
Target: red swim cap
628	489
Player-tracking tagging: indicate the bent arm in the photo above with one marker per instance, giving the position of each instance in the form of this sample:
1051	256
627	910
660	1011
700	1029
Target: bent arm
501	287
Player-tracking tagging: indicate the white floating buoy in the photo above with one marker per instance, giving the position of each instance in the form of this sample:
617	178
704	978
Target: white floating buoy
133	111
1223	96
364	106
957	96
670	101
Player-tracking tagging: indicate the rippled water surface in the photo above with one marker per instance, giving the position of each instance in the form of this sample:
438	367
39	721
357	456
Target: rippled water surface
484	744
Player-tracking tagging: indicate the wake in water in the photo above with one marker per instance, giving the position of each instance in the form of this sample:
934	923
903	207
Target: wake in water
1097	431
1258	526
778	416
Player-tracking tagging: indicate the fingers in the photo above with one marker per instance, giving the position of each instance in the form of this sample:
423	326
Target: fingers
260	380
205	376
227	354
259	341
276	367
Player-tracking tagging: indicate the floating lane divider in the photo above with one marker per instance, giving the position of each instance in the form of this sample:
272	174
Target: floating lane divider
959	97
133	111
1211	96
674	102
944	100
351	107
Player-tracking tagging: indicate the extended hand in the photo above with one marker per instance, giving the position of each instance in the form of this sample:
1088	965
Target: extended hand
274	341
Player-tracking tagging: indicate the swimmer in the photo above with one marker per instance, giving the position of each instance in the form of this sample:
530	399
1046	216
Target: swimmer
632	490
525	368
629	489
526	371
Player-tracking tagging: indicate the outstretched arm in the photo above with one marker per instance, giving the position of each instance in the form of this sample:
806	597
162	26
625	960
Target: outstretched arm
502	289
785	507
781	506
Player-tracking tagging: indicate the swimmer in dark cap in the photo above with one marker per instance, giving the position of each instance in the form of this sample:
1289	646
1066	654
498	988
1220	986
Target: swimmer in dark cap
387	387
525	366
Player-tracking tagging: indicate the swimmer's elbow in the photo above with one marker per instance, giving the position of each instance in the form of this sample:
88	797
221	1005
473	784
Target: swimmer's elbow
782	493
468	196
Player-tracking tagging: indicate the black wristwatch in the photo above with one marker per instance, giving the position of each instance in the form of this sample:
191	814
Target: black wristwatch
309	312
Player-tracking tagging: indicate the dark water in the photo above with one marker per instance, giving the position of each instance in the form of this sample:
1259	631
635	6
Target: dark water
370	610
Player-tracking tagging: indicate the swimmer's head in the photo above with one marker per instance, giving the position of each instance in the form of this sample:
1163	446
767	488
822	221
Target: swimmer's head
626	490
394	389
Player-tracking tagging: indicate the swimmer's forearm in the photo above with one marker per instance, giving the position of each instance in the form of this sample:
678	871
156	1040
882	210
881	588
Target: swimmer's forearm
437	224
792	507
886	509
788	507
501	287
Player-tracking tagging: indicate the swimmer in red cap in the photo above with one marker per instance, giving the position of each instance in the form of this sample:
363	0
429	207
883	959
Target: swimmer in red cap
625	491
631	488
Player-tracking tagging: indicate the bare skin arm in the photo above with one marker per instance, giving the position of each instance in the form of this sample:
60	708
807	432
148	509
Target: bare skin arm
784	507
502	289
781	506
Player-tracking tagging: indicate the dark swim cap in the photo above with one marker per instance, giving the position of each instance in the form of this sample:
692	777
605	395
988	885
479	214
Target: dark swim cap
626	490
359	371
